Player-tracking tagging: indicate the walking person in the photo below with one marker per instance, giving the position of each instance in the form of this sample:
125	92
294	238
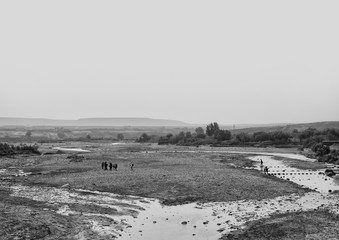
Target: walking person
106	165
131	165
110	166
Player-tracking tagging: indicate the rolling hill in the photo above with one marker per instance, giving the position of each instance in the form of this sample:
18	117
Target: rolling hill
290	127
91	122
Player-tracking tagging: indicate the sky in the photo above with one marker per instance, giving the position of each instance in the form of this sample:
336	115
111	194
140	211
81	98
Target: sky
229	62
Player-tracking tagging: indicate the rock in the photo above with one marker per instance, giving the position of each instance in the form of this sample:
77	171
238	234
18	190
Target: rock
184	222
206	222
154	221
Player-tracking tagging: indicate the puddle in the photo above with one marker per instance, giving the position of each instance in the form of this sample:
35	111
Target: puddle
311	179
71	149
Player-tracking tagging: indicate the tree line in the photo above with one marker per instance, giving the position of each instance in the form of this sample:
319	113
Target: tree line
213	135
10	149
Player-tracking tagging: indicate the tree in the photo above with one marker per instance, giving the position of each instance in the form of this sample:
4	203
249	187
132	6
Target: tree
261	136
200	132
169	135
188	135
280	136
120	137
181	136
144	138
243	137
61	135
222	135
28	134
212	128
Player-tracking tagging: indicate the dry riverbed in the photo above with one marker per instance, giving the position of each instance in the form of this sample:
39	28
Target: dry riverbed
226	195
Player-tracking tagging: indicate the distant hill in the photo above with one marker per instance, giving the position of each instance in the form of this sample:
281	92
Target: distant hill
289	127
92	122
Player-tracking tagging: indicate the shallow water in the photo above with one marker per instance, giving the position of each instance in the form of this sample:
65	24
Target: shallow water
71	149
146	218
311	179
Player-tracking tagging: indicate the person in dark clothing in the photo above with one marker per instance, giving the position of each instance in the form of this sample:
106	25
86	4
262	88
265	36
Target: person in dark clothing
131	165
103	165
106	165
266	170
110	166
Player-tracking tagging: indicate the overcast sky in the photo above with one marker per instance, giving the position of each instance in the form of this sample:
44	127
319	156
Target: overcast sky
195	61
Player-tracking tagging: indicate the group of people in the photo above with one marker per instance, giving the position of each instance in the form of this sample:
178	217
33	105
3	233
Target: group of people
263	169
105	165
110	166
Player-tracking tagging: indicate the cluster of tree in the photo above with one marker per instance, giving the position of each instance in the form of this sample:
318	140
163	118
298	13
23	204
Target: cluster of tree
147	138
310	138
7	149
324	153
276	137
212	135
314	139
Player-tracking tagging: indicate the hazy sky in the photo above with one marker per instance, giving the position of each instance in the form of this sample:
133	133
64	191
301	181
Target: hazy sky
195	61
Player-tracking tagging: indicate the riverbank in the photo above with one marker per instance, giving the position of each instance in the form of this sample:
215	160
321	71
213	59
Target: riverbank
79	195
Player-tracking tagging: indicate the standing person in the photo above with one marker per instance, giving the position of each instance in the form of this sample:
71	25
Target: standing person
131	165
110	166
266	170
103	165
106	165
262	166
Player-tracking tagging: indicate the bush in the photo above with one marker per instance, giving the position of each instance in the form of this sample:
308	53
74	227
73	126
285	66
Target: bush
7	150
